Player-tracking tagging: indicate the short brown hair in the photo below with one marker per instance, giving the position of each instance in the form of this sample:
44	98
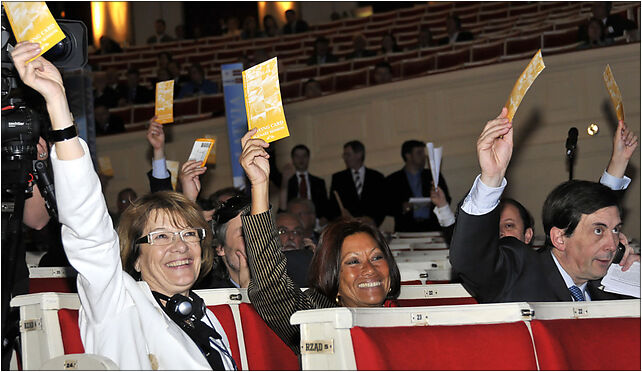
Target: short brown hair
178	208
326	263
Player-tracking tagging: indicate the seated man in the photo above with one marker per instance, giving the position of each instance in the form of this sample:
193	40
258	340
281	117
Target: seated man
581	221
515	220
294	247
197	85
305	211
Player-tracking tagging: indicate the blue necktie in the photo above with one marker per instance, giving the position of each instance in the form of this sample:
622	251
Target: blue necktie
576	293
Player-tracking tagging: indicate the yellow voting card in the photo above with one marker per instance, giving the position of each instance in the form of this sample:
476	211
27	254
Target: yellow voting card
164	109
32	21
104	166
201	150
212	158
172	167
524	82
263	101
614	92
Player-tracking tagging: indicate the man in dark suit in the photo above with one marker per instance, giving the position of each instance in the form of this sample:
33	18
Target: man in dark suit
614	24
455	33
413	180
322	52
304	185
294	25
581	221
132	92
359	44
160	36
361	189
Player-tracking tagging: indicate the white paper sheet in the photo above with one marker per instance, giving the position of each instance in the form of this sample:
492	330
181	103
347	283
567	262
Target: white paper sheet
623	282
434	157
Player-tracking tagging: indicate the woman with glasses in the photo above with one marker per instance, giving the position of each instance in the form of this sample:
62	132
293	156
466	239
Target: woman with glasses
352	264
134	287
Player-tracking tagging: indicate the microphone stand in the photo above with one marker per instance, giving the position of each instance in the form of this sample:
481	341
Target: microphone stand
570	155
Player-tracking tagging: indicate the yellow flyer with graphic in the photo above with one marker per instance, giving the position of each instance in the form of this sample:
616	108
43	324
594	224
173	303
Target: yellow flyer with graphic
263	101
201	150
32	21
526	79
614	92
172	167
212	158
164	109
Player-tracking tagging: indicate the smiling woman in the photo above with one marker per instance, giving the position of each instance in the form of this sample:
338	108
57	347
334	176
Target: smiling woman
352	265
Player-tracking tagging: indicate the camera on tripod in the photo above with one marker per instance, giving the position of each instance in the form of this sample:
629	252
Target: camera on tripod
24	117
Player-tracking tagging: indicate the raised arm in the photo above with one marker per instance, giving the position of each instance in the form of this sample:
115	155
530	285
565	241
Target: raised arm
189	178
159	177
494	149
624	144
271	291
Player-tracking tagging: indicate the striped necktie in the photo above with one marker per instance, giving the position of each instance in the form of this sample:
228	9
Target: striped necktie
358	184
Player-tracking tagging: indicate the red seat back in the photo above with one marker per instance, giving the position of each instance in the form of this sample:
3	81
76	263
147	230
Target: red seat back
436	301
265	350
224	315
587	344
61	285
71	341
505	346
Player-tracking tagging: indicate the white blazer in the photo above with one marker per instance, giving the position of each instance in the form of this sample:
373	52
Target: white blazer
119	318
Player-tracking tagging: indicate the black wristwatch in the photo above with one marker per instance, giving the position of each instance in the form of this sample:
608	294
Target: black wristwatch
63	134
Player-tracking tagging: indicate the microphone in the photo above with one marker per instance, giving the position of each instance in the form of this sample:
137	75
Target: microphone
571	142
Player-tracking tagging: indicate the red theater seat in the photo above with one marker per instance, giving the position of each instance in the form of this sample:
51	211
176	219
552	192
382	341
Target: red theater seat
587	344
350	79
143	112
186	106
436	301
417	66
291	89
483	52
213	103
224	315
366	62
301	73
504	346
62	285
525	44
124	113
454	59
330	68
70	332
552	39
265	350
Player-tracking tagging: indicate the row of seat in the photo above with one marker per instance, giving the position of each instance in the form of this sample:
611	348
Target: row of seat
55	317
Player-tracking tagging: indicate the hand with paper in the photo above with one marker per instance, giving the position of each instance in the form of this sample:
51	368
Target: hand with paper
189	178
624	144
434	158
156	138
255	163
39	74
495	148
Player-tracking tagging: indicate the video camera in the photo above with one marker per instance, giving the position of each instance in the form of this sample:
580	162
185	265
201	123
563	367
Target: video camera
24	116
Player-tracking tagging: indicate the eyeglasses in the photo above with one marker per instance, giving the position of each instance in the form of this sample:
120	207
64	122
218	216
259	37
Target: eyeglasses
284	230
189	235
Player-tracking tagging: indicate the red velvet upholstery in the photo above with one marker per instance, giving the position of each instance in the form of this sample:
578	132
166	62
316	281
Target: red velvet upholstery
412	282
588	344
224	315
436	301
265	350
70	331
505	346
62	285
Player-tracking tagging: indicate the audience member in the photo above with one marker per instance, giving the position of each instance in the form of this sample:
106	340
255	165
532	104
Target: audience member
335	16
108	46
270	28
293	246
159	176
164	58
425	38
293	24
614	24
159	36
382	73
455	33
359	44
124	200
112	78
595	35
516	221
350	255
222	195
179	31
163	75
389	44
250	29
305	211
107	123
581	221
312	89
361	189
132	92
233	26
413	181
302	184
322	52
175	73
197	85
103	94
290	231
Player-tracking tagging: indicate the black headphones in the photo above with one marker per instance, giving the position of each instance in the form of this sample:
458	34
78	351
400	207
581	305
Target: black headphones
181	308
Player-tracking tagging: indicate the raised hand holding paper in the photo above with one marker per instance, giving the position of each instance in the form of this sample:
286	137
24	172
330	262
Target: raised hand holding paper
32	21
263	101
614	92
526	79
201	150
434	158
164	109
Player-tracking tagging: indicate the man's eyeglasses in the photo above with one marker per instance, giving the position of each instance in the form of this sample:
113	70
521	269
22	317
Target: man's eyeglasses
284	230
189	235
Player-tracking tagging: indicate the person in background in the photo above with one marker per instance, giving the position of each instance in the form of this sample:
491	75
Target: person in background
304	210
595	35
124	199
312	89
353	265
107	123
250	29
297	250
108	46
197	85
455	33
233	26
389	44
179	31
425	38
132	92
103	93
175	73
294	25
515	220
382	73
614	24
270	28
164	58
359	45
159	33
302	184
322	52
